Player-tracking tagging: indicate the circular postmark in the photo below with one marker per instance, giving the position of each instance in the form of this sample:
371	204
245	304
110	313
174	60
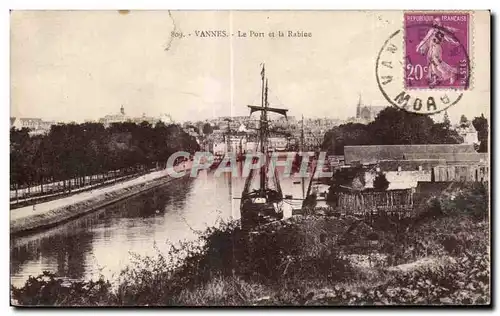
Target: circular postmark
423	68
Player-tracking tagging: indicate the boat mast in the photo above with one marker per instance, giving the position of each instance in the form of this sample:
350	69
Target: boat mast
301	150
228	141
263	131
263	75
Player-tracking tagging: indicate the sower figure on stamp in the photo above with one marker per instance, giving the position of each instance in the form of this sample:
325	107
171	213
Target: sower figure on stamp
439	70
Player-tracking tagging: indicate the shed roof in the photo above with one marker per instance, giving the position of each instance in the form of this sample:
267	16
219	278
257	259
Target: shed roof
409	165
370	154
449	157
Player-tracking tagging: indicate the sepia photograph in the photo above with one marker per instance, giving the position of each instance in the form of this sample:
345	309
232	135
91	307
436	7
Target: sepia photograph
168	158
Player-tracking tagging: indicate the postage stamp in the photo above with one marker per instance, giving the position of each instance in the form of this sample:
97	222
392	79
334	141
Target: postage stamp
437	50
433	48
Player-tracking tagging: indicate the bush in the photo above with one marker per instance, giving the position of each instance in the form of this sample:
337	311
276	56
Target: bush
47	290
459	282
158	280
380	183
471	200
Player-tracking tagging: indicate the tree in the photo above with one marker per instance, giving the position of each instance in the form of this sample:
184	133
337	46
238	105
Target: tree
380	183
76	151
347	134
392	126
444	135
481	125
20	161
207	129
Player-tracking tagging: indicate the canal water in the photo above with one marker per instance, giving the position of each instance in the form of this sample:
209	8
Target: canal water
101	243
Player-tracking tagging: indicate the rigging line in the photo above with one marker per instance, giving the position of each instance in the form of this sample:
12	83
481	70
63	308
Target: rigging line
256	98
231	57
276	96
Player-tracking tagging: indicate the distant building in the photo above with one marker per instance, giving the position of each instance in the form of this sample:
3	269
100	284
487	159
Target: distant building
149	119
166	119
456	167
219	148
242	128
468	133
36	126
399	180
115	118
278	143
251	147
121	117
462	172
462	167
367	113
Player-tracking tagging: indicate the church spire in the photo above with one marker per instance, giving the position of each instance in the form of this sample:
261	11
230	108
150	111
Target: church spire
358	108
446	119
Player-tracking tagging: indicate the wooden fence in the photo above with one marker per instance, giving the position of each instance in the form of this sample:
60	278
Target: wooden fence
393	203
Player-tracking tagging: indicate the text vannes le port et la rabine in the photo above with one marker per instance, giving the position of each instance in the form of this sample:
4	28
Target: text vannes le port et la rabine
242	34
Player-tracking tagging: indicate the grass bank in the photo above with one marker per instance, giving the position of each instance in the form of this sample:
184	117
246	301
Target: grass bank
440	257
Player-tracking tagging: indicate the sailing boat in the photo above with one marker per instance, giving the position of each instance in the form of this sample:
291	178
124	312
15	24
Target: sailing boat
263	203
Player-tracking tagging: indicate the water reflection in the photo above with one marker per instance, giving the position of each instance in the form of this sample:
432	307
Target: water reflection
101	242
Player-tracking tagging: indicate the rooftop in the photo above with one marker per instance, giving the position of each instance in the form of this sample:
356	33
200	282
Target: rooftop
449	157
409	165
371	154
30	119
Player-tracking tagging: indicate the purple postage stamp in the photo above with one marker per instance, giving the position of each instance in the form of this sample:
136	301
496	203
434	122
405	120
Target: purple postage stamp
437	50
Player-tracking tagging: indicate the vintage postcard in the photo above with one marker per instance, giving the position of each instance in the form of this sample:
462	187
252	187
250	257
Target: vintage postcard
250	158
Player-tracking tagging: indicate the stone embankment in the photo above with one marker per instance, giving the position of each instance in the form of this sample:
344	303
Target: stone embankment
27	219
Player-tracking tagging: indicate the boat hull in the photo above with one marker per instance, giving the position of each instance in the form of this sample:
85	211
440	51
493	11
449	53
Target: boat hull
256	214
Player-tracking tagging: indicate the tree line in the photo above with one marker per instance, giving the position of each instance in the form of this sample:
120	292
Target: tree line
394	126
71	151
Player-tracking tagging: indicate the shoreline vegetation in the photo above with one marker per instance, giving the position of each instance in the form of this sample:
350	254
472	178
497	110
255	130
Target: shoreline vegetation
440	256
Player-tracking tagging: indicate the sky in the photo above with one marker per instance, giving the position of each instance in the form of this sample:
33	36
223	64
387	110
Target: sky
82	65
